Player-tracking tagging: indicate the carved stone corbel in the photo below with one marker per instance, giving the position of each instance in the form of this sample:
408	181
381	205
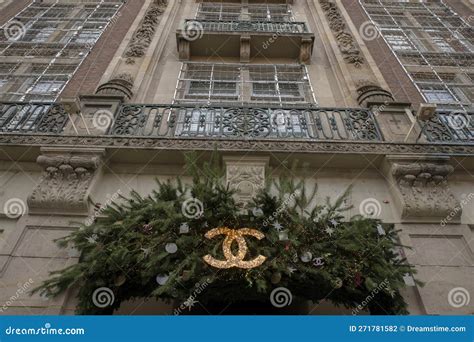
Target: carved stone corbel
245	48
421	189
246	175
66	181
306	50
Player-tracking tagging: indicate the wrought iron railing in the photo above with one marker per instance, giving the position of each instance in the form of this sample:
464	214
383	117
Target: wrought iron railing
450	127
26	117
239	26
188	121
246	122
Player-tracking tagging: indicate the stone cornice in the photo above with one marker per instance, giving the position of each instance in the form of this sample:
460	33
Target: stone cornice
267	145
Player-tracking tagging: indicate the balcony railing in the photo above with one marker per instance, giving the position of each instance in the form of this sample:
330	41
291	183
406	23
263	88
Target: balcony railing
450	127
246	122
17	117
245	26
188	121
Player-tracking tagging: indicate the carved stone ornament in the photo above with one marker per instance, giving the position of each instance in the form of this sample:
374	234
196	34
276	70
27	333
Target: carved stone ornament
423	190
246	176
370	93
242	145
65	183
121	85
344	38
143	37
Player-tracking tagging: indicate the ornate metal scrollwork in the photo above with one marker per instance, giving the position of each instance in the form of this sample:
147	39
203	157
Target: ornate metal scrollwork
246	122
54	120
129	120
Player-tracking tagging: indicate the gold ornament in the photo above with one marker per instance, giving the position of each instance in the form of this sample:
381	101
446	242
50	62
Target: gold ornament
231	259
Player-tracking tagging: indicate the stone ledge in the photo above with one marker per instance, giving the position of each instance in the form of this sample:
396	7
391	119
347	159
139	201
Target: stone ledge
267	145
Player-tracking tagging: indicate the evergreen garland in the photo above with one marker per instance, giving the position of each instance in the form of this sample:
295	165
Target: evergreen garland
312	252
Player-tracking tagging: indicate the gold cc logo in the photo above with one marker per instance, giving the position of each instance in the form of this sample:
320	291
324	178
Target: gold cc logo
231	259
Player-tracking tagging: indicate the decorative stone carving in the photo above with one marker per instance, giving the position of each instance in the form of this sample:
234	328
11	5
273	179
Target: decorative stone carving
121	85
345	40
422	189
64	185
232	144
371	93
306	50
144	35
246	176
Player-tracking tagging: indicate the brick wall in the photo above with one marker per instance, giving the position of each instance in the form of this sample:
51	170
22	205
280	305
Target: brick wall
87	78
12	9
460	8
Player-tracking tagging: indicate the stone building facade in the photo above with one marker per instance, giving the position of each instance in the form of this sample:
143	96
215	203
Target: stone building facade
99	97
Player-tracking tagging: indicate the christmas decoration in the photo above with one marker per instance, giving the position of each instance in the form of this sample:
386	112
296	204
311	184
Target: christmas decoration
306	257
136	263
162	279
234	260
147	229
184	228
171	248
